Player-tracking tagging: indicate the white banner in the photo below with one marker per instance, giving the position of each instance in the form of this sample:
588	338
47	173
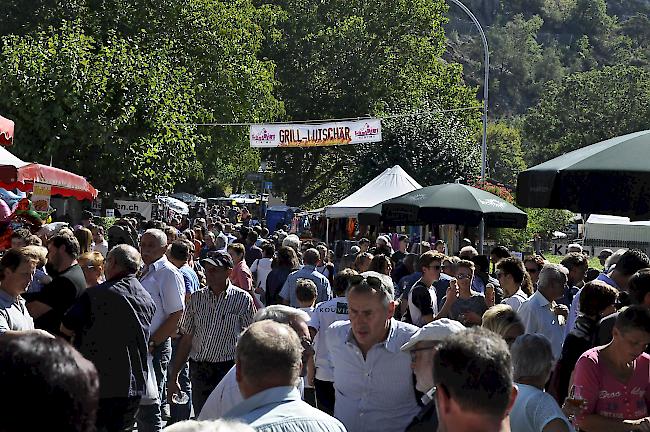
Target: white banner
315	135
126	207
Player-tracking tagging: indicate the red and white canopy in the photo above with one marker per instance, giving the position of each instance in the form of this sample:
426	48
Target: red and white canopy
6	131
18	174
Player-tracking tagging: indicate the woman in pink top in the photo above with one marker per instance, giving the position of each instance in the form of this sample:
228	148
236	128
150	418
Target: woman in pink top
615	378
241	275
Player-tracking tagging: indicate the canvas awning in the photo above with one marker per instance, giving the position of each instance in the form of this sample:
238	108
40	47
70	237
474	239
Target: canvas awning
392	183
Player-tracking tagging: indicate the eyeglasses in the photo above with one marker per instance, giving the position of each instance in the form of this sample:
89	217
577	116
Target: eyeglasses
414	351
461	276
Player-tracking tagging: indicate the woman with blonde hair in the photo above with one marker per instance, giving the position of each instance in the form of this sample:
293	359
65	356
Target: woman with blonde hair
92	264
85	238
504	321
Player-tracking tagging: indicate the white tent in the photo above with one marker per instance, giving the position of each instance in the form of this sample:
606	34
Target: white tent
392	183
616	228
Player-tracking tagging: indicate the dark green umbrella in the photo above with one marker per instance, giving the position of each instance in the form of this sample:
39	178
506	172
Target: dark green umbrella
370	216
452	203
610	177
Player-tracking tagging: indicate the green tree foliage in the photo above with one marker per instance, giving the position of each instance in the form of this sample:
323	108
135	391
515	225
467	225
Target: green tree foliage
217	45
505	156
585	108
541	223
432	148
113	113
345	58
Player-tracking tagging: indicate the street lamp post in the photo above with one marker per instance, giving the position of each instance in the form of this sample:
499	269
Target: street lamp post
485	108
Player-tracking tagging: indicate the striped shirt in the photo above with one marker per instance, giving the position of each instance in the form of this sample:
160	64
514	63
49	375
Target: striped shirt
215	322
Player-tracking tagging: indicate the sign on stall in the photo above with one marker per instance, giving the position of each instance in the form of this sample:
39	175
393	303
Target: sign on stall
315	135
110	213
41	194
142	207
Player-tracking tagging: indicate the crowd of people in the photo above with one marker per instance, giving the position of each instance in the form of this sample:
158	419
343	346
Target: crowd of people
235	329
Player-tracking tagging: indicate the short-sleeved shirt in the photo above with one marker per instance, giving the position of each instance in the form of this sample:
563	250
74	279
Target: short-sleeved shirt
516	300
13	314
476	303
605	394
306	272
165	285
534	409
422	300
60	295
215	322
111	323
323	316
190	278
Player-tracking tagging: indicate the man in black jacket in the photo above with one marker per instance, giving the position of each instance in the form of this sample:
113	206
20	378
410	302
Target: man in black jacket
109	324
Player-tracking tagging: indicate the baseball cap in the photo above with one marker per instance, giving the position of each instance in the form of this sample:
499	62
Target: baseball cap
604	252
218	259
434	331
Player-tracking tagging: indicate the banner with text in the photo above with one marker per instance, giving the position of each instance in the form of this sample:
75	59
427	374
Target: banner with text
126	207
41	194
316	135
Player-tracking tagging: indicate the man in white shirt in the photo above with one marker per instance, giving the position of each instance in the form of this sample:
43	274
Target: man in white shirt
165	284
372	376
541	314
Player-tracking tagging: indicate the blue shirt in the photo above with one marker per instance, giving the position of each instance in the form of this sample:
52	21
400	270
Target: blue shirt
306	272
376	393
190	278
279	409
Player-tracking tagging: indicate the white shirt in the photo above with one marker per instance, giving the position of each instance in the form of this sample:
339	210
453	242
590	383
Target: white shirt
226	395
322	317
534	409
415	312
102	248
375	393
516	300
261	268
537	315
165	284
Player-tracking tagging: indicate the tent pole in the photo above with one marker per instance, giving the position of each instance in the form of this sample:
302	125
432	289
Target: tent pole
327	232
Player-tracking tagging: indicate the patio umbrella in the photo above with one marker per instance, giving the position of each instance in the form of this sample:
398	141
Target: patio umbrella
175	205
6	131
18	174
371	216
452	203
187	197
609	177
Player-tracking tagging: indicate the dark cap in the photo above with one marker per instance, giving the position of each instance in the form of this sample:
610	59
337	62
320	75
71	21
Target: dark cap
86	215
218	259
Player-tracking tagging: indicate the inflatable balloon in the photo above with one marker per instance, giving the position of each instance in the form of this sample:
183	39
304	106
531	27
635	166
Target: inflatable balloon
5	211
11	198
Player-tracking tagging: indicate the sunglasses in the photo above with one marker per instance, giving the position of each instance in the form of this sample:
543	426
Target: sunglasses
532	270
371	281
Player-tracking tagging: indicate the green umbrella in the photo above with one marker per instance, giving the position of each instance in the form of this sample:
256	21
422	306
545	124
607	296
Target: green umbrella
370	216
611	177
452	203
